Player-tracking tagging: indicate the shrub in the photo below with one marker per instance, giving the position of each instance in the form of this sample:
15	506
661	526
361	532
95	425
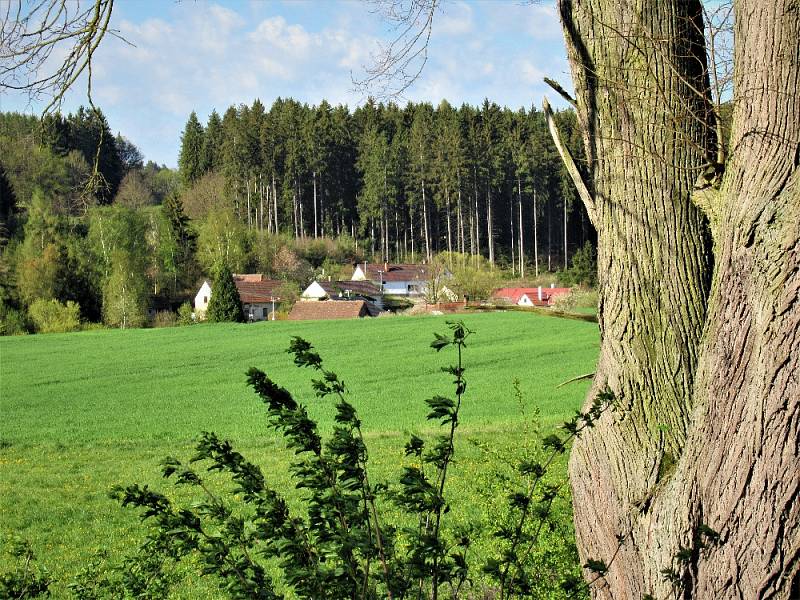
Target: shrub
343	543
50	316
164	318
185	314
12	321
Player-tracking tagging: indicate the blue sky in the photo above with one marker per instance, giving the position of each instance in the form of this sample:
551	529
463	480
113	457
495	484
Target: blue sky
198	55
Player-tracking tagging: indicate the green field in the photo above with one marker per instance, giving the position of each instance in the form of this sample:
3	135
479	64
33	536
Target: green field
83	412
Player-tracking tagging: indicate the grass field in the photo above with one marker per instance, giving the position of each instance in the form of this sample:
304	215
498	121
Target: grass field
83	412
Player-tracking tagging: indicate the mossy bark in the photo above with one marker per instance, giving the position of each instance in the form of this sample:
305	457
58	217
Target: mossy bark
699	339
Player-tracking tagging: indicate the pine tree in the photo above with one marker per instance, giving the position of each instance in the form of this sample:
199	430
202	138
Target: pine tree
190	161
224	304
211	159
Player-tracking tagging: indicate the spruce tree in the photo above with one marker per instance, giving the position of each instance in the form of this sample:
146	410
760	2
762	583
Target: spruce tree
190	161
224	304
211	158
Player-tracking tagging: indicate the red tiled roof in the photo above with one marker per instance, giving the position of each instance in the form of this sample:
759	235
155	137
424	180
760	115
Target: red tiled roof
257	292
328	309
513	295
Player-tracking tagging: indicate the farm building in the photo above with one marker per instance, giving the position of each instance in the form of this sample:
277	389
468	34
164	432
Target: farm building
329	309
258	296
538	296
346	290
396	279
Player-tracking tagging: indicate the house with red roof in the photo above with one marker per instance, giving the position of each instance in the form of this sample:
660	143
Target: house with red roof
523	296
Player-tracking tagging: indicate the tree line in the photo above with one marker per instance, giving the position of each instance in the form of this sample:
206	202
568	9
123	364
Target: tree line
90	232
407	181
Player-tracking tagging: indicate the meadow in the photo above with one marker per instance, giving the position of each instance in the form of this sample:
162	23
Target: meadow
85	411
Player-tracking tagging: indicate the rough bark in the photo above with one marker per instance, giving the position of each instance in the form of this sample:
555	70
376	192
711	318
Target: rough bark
705	365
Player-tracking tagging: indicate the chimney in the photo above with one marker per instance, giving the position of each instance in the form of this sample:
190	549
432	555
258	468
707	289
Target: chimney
385	267
540	293
552	285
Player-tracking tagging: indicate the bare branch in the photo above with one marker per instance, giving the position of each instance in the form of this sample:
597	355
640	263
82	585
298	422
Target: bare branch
397	66
569	162
561	91
46	46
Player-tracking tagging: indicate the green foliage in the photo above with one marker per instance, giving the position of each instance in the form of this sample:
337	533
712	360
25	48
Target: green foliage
12	320
190	161
473	277
326	550
224	304
26	579
51	316
328	553
185	311
222	238
125	293
584	268
164	318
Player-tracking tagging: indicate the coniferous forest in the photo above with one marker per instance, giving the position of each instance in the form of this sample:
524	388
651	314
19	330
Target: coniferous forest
408	182
87	225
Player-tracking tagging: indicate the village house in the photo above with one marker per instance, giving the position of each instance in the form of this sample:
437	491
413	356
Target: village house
343	309
538	296
396	279
258	296
339	291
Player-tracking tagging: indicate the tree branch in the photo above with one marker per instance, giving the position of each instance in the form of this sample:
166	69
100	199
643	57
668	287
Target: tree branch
561	91
569	163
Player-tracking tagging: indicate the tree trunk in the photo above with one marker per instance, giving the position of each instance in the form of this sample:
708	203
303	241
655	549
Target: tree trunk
477	215
566	252
489	225
535	236
314	177
512	235
425	224
521	239
460	221
704	365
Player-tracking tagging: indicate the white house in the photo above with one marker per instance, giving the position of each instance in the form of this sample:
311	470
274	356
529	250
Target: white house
201	300
395	279
258	296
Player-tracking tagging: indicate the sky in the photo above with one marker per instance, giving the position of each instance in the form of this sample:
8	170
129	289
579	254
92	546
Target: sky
202	55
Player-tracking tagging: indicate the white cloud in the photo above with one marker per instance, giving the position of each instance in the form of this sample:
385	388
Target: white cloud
456	20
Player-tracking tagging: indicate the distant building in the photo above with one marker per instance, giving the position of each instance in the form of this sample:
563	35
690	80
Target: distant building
328	309
538	296
258	296
346	290
395	279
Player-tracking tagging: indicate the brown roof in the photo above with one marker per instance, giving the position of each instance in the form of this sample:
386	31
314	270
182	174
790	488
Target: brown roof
395	272
252	277
328	309
257	292
358	288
